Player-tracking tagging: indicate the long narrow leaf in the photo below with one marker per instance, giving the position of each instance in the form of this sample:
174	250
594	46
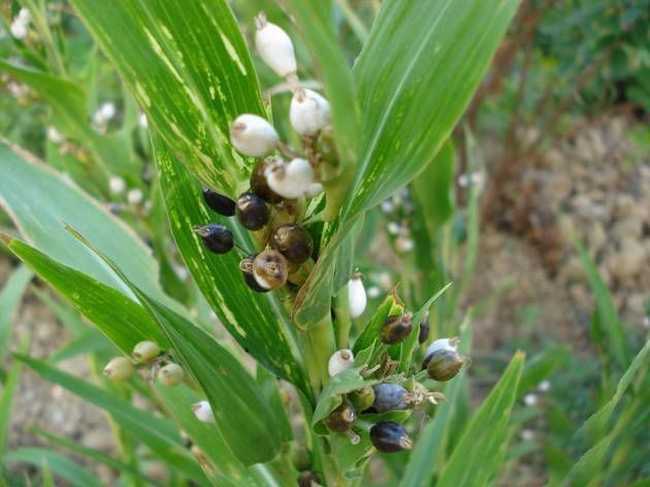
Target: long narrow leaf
10	297
187	65
57	463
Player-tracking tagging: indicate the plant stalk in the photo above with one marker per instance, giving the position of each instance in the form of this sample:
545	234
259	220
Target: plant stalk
319	346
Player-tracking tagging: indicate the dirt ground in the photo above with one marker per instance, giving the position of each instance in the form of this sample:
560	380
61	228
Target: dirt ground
598	186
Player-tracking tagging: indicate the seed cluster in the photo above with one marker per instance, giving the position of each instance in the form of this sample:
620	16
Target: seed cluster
398	210
148	356
394	392
274	204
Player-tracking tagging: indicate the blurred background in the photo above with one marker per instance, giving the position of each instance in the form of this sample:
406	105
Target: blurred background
539	213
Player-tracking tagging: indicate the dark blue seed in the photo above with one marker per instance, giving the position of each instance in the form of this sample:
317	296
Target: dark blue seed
389	437
252	211
216	238
219	202
390	397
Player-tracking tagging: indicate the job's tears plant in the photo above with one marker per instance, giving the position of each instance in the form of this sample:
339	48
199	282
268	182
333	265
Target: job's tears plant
266	215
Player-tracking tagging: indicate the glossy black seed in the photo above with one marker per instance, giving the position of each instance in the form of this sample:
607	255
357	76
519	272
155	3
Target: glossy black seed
216	238
396	329
292	241
246	267
342	418
219	202
390	397
260	187
252	211
444	365
390	437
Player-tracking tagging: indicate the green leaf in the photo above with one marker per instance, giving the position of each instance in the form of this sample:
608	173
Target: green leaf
257	321
434	186
178	401
6	400
10	298
598	421
608	320
240	411
158	434
122	320
40	201
542	366
60	465
91	453
188	67
415	77
485	435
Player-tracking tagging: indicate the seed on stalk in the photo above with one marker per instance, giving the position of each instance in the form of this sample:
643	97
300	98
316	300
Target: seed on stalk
390	437
291	180
171	374
219	202
145	351
292	241
309	112
342	418
442	360
252	211
390	397
118	369
259	185
274	47
203	411
246	266
253	136
270	269
396	328
339	361
357	299
217	238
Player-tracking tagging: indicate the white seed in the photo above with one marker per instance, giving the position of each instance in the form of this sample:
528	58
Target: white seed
530	400
18	29
274	47
253	136
143	121
171	374
116	185
527	435
24	15
314	189
387	206
404	244
54	136
107	110
145	351
544	386
373	292
339	361
393	228
291	180
309	112
203	411
118	369
449	344
135	196
357	298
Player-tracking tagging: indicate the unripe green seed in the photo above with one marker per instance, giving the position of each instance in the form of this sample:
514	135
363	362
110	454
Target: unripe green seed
342	418
118	369
171	374
396	329
444	365
145	351
363	398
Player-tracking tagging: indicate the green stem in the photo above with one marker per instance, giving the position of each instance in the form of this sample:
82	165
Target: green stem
40	22
319	346
343	319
